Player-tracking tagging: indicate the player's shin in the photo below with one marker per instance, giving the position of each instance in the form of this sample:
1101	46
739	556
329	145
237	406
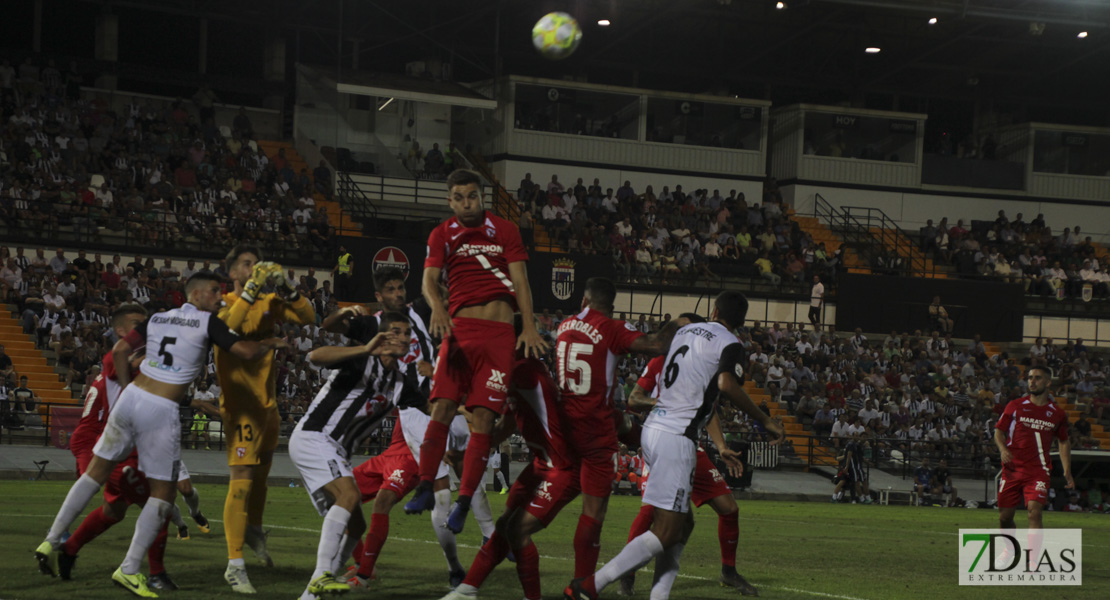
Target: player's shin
444	535
331	538
256	501
587	546
474	463
528	570
642	522
156	556
150	522
78	497
634	555
94	524
372	547
235	519
193	500
482	512
666	570
489	556
728	534
432	449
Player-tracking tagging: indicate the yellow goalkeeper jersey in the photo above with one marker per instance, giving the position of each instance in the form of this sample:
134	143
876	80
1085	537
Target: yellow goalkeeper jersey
246	383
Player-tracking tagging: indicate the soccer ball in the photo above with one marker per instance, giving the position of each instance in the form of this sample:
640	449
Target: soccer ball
556	35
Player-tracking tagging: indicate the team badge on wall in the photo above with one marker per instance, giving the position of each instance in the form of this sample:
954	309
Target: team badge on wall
392	256
1088	292
562	278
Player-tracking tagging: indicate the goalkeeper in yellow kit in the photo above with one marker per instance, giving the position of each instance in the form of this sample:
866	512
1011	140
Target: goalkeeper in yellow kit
247	400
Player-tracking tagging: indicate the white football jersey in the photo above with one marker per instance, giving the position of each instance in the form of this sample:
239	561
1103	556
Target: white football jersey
177	343
688	384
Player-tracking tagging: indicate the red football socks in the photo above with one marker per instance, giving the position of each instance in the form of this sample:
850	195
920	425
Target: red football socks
528	569
642	522
587	546
491	554
157	553
474	462
95	523
728	533
375	539
432	449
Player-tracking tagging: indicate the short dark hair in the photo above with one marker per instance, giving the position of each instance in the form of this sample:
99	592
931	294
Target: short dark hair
386	274
198	279
601	291
123	310
732	307
393	316
692	317
239	250
464	177
1045	369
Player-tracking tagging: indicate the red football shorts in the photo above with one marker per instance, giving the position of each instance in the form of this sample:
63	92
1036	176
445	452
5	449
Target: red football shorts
398	473
118	487
708	481
1014	487
475	362
543	491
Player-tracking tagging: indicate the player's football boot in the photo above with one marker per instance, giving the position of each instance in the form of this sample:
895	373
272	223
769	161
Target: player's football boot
183	532
136	584
257	542
628	584
352	571
575	591
161	581
202	523
422	499
457	519
237	578
326	584
65	564
47	557
357	584
454	578
733	579
470	594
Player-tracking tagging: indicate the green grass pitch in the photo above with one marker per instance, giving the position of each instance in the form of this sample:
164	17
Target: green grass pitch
797	551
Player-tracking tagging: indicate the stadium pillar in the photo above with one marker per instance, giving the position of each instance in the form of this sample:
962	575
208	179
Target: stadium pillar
202	48
36	35
273	69
106	48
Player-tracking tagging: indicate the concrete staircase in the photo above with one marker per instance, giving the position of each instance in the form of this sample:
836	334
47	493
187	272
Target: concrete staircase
822	234
795	431
336	217
910	253
42	378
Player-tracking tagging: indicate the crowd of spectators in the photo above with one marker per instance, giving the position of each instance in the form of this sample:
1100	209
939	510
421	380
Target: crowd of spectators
1013	250
674	237
155	173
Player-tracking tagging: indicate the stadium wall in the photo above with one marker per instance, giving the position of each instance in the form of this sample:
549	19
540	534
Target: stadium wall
912	209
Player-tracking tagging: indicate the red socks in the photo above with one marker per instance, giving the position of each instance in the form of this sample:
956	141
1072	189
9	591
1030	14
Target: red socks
474	463
432	449
728	532
157	553
95	523
528	569
375	539
642	522
489	556
587	546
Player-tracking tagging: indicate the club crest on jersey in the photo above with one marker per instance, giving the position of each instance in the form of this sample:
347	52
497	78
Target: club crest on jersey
562	278
490	231
392	256
240	452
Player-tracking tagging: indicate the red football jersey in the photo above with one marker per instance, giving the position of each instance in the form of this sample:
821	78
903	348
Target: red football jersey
475	260
539	415
649	379
1030	429
588	347
101	396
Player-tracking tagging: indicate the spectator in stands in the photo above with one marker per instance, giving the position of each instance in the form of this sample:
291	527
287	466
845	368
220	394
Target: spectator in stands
242	125
26	403
7	369
938	316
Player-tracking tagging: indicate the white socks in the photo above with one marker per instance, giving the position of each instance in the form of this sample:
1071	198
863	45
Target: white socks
331	539
666	570
346	547
479	506
146	529
501	479
193	502
78	497
635	555
175	516
445	536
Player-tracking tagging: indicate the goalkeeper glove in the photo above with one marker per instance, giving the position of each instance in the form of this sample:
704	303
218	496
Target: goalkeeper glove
261	272
285	286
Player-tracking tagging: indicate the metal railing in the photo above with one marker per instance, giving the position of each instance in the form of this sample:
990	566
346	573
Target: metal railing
60	223
875	237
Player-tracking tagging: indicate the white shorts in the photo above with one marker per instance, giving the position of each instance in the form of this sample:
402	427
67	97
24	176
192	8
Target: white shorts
321	460
672	458
182	472
459	434
151	425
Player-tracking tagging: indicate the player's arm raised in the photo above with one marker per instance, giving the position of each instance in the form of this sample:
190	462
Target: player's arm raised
529	336
122	353
236	313
381	343
340	320
655	343
440	324
730	456
297	308
730	382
